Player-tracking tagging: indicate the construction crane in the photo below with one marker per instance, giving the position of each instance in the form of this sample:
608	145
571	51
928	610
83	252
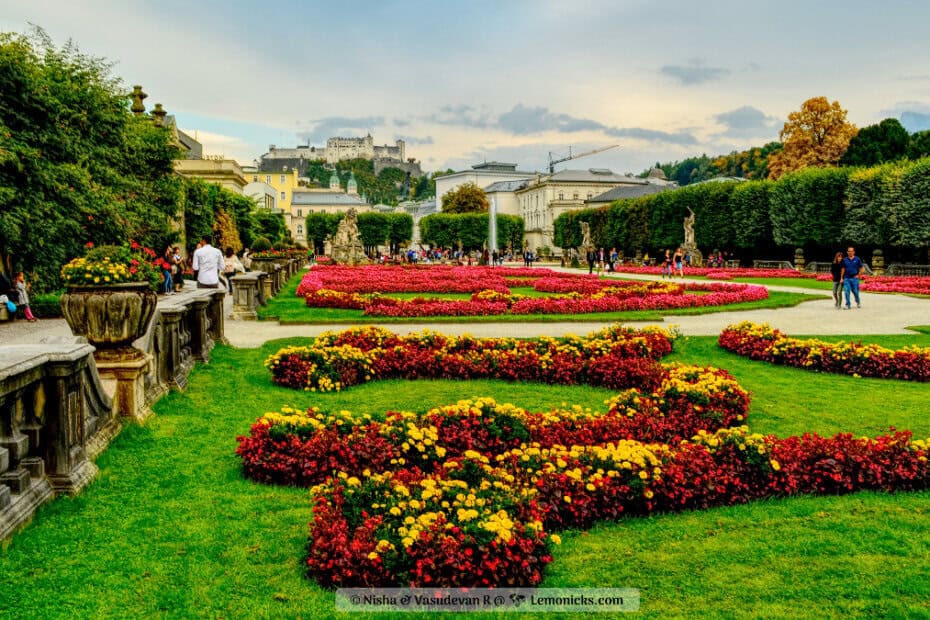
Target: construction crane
553	162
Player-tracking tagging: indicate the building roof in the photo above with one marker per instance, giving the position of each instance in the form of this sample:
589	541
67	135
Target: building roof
495	165
630	191
593	175
300	198
505	186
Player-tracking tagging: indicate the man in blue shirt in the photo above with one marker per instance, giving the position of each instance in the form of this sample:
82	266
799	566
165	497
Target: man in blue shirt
852	266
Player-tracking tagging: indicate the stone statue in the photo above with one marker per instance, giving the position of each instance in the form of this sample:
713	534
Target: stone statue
585	237
347	244
689	229
696	259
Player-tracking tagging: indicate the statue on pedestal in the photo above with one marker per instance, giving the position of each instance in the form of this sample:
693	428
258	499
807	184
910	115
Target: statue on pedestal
689	246
347	244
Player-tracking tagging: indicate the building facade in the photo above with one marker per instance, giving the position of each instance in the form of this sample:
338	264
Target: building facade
546	197
482	175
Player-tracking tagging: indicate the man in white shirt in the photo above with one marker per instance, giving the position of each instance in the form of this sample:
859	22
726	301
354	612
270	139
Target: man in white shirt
208	264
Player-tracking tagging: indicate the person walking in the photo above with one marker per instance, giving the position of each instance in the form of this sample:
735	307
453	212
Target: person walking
590	256
836	270
208	264
852	267
19	283
679	262
232	266
167	269
601	259
667	264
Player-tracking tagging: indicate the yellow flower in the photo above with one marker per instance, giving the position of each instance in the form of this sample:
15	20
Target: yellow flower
556	539
373	555
775	465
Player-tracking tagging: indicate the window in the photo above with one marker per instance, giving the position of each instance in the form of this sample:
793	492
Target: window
589	195
282	178
300	229
283	195
254	178
268	179
575	196
300	213
561	196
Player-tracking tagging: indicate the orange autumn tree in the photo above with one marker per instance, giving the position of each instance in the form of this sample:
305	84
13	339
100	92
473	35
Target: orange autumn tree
816	135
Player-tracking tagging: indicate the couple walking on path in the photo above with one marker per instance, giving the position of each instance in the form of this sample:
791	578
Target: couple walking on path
845	271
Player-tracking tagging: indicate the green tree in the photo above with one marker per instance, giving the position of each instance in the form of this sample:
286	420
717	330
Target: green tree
319	226
919	145
877	144
75	165
466	198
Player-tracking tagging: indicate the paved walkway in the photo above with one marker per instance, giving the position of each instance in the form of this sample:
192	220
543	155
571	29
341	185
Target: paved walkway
880	314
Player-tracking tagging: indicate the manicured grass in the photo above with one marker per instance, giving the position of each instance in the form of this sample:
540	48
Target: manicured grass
171	529
289	309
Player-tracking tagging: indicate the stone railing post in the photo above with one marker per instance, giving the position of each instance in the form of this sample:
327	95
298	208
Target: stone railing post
197	325
799	259
217	326
264	288
245	297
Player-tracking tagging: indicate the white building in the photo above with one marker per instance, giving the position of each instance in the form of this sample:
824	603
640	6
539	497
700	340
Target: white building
481	175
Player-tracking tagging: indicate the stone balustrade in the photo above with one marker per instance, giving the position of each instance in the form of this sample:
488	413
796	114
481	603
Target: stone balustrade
255	288
60	407
54	418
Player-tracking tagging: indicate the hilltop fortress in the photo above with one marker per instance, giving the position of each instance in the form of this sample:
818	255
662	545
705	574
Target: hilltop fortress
338	149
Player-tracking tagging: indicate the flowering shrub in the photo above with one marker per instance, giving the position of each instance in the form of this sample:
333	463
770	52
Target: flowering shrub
762	342
114	264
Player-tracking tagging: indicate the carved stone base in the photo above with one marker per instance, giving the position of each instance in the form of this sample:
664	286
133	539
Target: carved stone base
124	381
74	482
697	259
16	509
102	438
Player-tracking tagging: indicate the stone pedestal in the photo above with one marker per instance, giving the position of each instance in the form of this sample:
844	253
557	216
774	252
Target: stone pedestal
245	297
697	259
267	289
878	263
124	381
799	262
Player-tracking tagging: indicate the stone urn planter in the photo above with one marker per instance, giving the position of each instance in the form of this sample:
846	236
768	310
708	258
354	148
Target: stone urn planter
110	317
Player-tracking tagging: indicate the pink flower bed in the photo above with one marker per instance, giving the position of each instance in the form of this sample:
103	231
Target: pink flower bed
359	288
739	272
919	285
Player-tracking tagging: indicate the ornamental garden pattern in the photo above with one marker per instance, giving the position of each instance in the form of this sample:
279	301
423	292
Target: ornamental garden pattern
475	493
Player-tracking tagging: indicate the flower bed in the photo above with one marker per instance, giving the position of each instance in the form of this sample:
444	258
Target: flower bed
762	342
360	288
613	357
471	494
918	285
710	272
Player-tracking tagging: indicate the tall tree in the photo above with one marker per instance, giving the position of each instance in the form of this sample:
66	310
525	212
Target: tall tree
919	145
877	144
816	135
466	198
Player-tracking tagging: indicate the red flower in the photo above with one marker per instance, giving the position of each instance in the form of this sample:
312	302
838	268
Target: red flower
89	245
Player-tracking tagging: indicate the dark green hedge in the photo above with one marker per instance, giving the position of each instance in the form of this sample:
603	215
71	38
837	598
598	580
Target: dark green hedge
446	230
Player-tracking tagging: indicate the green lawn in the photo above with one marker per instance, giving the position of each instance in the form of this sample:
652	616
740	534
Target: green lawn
170	528
287	308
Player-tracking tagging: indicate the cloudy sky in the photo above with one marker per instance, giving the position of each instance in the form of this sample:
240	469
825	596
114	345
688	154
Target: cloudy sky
505	80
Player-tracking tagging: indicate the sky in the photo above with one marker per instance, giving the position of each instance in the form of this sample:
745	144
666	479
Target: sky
503	80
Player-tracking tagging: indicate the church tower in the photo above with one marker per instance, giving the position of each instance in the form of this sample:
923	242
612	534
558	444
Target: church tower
352	185
334	182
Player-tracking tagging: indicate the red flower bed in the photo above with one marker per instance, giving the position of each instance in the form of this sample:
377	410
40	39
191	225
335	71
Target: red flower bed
468	495
761	342
624	358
